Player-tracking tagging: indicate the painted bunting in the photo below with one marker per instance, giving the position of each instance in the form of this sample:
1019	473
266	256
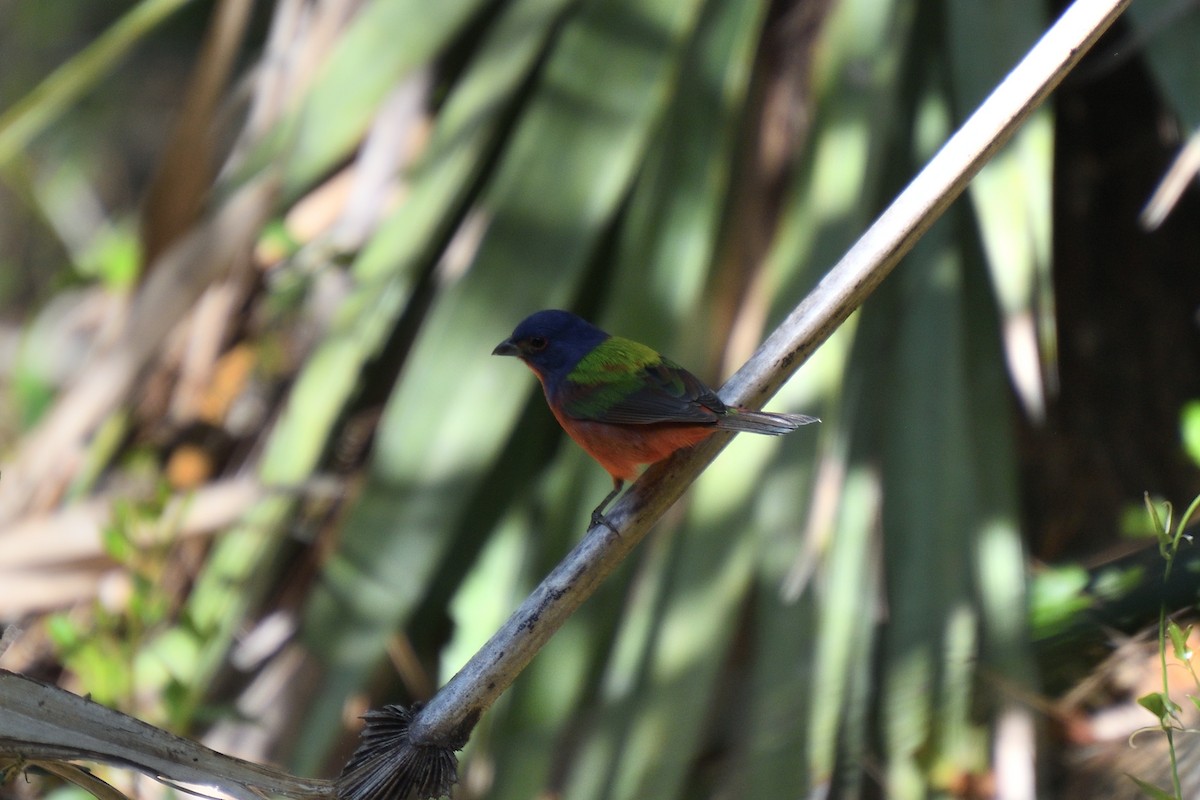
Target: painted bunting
623	402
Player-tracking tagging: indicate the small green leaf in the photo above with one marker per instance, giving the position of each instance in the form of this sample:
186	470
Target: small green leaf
1162	527
1151	790
1150	507
1160	705
1153	703
1179	640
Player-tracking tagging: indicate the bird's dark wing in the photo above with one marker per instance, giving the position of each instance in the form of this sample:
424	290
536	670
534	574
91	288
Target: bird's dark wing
623	382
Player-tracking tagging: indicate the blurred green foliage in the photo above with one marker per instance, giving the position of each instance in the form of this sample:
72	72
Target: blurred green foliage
131	652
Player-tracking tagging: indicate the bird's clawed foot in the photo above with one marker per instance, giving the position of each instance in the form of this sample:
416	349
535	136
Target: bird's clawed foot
598	517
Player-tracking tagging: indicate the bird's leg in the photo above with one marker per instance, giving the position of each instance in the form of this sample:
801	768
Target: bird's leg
598	517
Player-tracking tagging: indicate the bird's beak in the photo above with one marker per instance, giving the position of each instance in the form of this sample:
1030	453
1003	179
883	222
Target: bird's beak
506	348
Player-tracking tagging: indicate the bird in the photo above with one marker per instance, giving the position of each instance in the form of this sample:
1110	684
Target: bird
623	402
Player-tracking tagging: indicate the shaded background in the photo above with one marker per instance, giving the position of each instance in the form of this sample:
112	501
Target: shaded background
261	473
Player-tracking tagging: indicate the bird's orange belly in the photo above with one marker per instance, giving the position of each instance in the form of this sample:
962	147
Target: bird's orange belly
621	449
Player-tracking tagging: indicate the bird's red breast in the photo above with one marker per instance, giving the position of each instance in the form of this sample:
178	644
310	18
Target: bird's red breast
621	449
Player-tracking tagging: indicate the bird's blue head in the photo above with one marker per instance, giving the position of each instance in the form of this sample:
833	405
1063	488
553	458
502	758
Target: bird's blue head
551	342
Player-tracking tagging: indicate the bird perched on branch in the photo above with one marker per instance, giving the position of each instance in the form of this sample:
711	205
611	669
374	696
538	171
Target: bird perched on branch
623	402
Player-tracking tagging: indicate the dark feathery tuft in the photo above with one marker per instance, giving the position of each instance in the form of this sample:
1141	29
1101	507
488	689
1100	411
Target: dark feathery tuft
387	765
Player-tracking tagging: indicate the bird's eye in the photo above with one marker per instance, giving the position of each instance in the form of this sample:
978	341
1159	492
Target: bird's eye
537	343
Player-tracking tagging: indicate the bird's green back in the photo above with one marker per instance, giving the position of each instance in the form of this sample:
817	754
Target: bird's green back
613	358
621	380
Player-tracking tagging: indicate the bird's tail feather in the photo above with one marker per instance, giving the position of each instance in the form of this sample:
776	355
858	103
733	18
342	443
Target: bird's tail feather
746	421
